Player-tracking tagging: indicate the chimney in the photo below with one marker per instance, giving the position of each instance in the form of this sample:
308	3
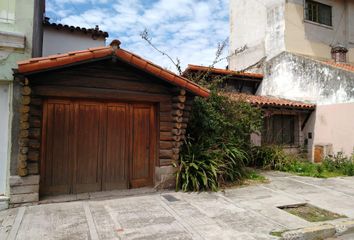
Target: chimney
115	44
339	54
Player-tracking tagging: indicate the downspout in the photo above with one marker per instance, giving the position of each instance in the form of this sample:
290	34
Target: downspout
37	36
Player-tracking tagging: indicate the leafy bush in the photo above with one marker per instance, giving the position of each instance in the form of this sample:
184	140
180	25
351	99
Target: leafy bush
267	157
219	136
195	172
340	163
274	158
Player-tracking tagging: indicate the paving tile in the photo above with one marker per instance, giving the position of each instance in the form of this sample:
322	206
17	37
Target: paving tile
246	213
54	221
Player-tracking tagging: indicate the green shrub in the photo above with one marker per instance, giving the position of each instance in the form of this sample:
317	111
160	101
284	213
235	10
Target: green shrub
233	160
340	163
274	158
218	135
195	172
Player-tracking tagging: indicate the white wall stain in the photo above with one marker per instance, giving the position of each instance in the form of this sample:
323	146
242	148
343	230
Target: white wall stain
300	78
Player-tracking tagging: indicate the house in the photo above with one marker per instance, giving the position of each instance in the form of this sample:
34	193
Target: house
61	38
98	119
284	120
18	22
25	34
302	27
232	81
305	50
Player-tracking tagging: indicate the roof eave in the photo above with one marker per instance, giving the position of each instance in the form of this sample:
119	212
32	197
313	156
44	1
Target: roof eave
50	63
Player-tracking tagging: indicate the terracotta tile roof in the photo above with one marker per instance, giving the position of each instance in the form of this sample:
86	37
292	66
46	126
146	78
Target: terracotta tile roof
62	60
266	101
343	66
95	32
196	68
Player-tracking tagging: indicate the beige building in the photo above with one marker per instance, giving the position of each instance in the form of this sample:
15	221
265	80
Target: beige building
269	27
305	49
18	41
308	33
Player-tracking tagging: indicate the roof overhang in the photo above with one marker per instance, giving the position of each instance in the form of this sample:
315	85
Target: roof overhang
50	63
272	102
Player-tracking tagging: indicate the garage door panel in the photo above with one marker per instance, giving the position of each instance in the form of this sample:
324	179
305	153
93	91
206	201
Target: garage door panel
116	164
92	146
57	171
141	167
88	144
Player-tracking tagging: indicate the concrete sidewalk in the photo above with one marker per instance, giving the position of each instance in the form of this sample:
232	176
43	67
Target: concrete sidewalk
246	213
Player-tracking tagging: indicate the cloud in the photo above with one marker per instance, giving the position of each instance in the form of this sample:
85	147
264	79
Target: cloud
186	29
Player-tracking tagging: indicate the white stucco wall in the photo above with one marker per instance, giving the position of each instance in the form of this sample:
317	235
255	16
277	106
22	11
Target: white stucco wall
301	78
332	125
4	135
260	25
63	41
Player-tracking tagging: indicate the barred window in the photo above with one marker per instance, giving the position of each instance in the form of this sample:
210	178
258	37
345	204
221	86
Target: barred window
318	12
280	130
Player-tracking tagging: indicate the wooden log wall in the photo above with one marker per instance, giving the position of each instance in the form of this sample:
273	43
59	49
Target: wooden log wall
174	115
30	132
172	133
24	129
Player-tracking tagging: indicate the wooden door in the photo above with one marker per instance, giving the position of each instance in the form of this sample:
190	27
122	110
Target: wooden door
56	164
143	145
115	169
319	153
93	146
88	137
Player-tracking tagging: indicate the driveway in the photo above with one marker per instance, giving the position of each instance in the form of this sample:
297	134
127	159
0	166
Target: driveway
246	213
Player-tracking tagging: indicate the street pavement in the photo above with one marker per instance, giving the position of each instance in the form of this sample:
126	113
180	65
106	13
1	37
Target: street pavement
245	213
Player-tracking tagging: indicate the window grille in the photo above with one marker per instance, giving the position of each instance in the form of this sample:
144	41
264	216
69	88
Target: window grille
318	12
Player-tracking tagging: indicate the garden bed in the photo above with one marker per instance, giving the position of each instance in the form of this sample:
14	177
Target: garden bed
311	213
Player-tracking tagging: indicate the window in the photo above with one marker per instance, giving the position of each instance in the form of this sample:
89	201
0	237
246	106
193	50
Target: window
318	12
280	130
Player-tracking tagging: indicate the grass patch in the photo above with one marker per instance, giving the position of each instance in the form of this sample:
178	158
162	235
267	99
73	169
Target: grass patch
277	233
274	158
252	177
309	169
311	213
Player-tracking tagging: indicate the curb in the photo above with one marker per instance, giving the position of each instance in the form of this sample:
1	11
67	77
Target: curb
321	231
344	227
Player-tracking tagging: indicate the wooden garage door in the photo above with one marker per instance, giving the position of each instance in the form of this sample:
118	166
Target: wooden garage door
93	146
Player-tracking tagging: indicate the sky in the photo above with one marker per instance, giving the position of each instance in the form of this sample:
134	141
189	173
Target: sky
186	29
